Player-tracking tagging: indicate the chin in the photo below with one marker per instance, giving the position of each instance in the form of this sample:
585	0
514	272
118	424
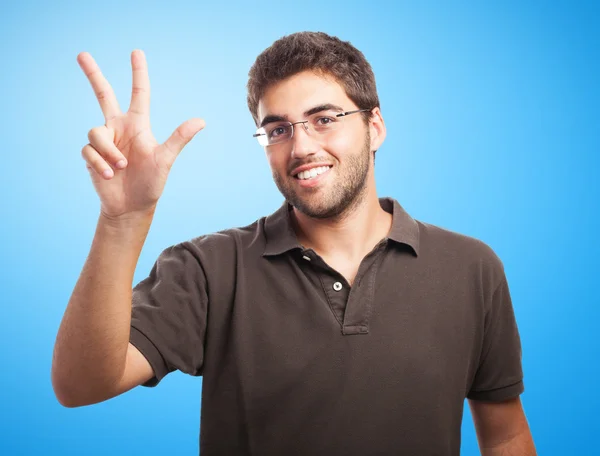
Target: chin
317	209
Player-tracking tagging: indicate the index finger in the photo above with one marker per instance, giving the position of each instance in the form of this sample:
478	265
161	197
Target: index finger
102	89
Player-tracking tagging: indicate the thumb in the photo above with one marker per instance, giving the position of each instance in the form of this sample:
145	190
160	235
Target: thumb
180	137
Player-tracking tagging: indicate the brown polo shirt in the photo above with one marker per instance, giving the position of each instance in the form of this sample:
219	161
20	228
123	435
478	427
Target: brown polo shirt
296	362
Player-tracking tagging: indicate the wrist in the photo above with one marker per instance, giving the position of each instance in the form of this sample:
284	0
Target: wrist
130	221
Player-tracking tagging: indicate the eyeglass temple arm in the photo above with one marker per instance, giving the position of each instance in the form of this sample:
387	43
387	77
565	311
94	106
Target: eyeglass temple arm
342	114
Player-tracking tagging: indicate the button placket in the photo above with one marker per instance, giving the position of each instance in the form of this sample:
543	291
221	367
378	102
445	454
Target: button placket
360	300
336	295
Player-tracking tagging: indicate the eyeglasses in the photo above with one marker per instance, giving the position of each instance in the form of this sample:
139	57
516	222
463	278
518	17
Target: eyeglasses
322	122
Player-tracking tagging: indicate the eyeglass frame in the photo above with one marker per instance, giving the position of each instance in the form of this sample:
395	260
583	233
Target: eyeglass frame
304	123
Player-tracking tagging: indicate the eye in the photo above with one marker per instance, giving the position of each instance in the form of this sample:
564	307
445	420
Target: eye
278	131
324	121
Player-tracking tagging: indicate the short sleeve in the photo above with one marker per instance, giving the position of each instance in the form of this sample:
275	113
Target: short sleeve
499	375
169	309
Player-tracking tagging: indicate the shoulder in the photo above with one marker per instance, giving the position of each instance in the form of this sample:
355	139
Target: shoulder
226	244
213	257
463	253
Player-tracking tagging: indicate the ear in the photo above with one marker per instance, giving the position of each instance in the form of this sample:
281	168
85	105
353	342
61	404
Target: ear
377	129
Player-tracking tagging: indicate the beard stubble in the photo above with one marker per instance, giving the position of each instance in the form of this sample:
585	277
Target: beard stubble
347	192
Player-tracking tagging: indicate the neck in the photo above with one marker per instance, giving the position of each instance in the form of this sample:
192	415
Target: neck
352	234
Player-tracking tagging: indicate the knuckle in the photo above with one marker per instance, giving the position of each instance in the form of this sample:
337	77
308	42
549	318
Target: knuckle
181	133
101	94
93	133
93	73
136	90
90	155
86	151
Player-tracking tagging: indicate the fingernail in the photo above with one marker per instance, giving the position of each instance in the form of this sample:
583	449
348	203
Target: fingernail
107	173
121	164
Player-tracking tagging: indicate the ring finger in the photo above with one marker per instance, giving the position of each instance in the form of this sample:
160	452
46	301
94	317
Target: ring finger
96	162
101	139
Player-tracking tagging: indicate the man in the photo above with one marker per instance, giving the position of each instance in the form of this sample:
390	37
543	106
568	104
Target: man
336	325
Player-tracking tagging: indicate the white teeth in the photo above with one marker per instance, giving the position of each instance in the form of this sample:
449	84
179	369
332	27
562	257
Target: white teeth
310	173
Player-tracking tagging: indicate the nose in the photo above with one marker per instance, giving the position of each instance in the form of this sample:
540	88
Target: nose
303	141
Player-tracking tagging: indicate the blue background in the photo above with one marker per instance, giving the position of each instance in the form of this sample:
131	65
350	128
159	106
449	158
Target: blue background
492	116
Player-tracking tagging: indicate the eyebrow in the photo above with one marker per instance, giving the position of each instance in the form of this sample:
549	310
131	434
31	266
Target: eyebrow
278	118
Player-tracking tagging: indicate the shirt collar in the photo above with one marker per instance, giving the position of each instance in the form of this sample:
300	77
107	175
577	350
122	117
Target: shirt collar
280	235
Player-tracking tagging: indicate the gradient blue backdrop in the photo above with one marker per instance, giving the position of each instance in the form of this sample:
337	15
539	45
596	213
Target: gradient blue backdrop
492	116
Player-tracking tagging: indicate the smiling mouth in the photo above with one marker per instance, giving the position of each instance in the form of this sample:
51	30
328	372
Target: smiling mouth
312	173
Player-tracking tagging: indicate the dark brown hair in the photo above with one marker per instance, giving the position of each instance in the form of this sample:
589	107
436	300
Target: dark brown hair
318	52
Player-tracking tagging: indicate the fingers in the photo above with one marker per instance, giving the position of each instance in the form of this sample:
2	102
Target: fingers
102	89
101	151
95	162
102	139
180	137
140	91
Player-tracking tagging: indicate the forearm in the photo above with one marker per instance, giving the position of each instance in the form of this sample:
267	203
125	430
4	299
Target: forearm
91	345
519	445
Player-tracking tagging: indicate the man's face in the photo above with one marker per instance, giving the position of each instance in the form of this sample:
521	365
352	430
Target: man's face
344	154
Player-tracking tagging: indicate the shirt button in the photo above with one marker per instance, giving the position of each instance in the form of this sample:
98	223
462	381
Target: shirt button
337	286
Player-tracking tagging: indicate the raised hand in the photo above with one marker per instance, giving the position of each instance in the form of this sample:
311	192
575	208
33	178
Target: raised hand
128	167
